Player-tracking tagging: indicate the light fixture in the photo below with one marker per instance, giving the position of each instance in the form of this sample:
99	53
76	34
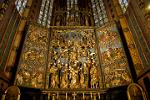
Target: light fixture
148	7
147	4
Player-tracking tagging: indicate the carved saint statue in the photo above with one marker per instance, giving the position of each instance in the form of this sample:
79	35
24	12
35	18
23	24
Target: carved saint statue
84	76
64	78
54	77
94	77
74	78
82	80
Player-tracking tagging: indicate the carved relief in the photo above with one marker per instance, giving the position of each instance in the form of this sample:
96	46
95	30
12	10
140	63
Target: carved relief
32	64
113	59
70	59
72	49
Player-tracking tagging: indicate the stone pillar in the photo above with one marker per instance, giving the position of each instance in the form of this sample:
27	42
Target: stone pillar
129	38
18	36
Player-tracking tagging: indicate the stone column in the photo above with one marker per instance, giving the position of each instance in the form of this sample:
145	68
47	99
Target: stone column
129	38
18	36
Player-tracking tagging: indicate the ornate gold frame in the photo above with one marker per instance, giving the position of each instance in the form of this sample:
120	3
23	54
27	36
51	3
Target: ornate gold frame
13	88
138	86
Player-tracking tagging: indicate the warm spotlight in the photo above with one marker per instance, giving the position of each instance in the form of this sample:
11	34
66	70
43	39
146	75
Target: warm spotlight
149	7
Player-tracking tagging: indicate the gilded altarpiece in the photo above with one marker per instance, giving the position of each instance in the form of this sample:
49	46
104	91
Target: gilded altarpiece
113	60
32	64
73	58
73	62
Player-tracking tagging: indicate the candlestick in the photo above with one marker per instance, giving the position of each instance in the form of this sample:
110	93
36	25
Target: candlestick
57	96
66	96
99	96
94	96
53	98
91	95
83	96
49	96
74	96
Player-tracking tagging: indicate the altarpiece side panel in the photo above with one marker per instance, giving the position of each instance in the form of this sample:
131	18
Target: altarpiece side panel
32	64
114	63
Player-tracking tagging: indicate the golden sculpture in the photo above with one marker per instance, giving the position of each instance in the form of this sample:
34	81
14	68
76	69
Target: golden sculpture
94	77
74	78
54	76
82	80
64	78
86	74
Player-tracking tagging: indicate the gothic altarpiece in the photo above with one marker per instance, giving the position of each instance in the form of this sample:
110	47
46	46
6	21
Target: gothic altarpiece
72	58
